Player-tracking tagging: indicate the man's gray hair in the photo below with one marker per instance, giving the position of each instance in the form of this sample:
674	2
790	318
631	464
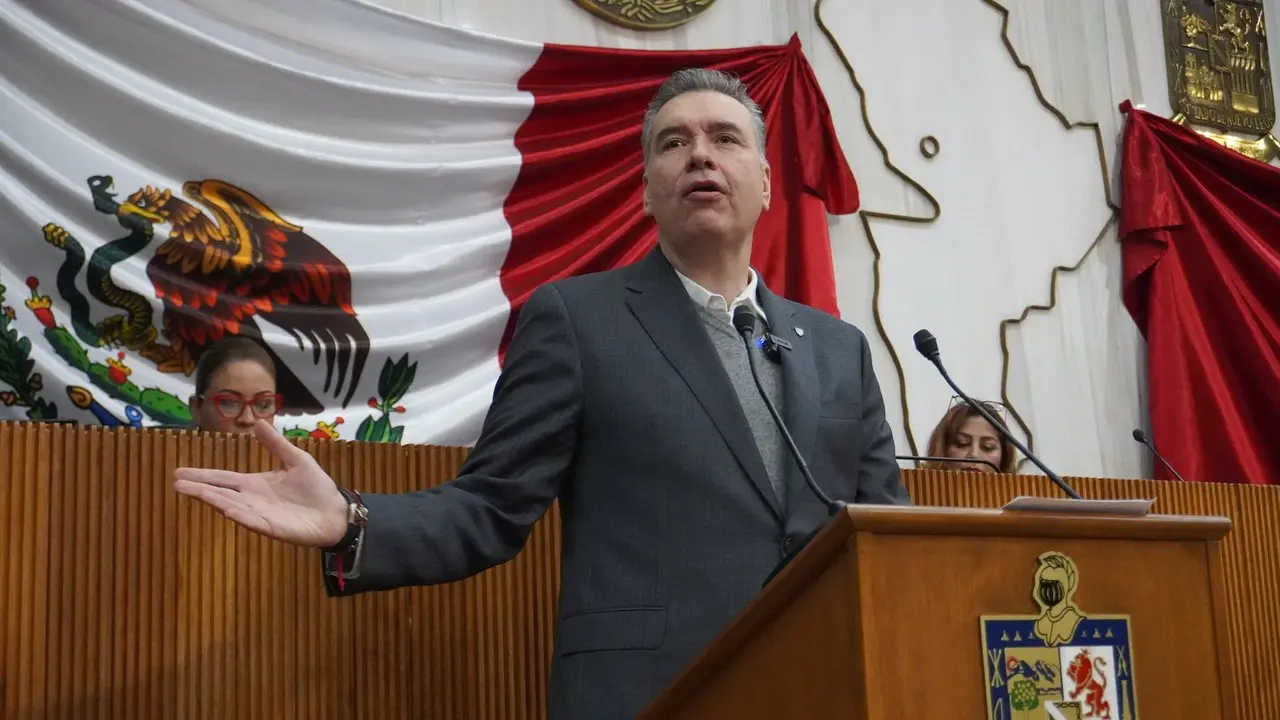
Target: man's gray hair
696	80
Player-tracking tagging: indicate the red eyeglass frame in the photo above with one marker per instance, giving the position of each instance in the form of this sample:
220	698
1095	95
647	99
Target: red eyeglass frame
242	401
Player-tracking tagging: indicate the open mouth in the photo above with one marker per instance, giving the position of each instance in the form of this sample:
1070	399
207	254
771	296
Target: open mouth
102	188
704	190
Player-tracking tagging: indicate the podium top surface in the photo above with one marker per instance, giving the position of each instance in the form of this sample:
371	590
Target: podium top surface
916	520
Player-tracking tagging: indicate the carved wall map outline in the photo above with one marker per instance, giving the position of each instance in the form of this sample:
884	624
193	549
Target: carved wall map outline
647	14
1219	71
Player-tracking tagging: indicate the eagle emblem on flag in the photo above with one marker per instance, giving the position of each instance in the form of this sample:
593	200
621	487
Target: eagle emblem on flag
216	273
227	262
1060	664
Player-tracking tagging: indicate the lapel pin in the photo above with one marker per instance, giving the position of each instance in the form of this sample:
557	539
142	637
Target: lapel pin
799	331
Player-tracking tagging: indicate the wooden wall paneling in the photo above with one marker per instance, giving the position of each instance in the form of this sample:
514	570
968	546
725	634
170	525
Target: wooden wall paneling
121	599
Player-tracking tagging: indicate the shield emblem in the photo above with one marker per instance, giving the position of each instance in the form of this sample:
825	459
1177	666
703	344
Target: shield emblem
1060	664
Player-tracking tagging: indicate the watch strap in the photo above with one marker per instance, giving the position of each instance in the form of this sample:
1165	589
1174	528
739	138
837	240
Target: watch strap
357	515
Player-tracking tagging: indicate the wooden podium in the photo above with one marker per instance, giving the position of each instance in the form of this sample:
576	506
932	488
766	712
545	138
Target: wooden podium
927	613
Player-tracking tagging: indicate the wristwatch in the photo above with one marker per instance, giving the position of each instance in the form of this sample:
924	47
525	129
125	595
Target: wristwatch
357	518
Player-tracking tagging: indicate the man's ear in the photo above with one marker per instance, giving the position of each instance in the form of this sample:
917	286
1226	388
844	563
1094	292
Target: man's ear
768	185
644	184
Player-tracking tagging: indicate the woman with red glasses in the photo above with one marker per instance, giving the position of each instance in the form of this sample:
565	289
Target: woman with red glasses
235	385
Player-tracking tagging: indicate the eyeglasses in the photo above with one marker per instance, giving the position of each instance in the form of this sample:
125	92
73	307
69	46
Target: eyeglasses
994	408
230	405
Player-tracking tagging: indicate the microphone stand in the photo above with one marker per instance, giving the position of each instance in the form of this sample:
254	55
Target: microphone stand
957	461
927	345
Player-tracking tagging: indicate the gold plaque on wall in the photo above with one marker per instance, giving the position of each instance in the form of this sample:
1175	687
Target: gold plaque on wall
1219	72
647	14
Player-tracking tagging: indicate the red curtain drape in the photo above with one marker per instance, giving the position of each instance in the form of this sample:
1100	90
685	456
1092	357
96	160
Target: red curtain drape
576	206
1200	232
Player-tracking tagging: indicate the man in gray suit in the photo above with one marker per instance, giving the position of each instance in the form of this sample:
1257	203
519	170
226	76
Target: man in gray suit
628	396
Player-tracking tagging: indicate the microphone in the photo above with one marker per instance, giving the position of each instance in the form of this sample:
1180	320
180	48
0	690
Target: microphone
1142	438
927	345
958	461
773	346
744	321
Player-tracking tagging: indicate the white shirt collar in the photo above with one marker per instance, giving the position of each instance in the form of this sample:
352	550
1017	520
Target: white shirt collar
750	296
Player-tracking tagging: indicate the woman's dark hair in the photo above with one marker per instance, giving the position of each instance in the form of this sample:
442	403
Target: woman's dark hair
229	350
949	426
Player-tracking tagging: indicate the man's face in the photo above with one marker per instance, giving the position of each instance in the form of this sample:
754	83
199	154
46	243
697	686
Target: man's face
704	178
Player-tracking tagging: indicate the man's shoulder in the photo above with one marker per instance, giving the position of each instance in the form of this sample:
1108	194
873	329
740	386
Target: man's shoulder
589	287
824	323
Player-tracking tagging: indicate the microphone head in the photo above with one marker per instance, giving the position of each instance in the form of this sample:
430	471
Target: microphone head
927	345
744	320
1140	436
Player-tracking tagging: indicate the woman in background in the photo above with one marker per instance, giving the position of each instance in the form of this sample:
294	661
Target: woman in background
235	386
964	434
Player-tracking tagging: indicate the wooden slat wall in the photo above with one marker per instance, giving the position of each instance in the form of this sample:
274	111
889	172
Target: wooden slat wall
119	599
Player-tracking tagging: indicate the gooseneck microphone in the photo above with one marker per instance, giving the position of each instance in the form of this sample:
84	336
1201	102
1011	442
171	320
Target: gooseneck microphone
927	345
1142	438
744	321
956	461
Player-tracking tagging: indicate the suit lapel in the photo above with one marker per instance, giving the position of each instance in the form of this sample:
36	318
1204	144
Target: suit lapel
799	379
661	304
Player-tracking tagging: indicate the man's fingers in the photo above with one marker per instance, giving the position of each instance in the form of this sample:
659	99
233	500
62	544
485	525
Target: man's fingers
221	499
228	502
204	476
278	445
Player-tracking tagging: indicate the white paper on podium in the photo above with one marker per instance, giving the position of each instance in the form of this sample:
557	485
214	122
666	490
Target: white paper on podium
1136	507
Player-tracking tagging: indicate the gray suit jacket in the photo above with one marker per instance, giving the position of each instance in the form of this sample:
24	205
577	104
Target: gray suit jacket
614	400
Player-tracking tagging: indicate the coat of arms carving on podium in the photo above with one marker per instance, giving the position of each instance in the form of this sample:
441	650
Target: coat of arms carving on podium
1061	664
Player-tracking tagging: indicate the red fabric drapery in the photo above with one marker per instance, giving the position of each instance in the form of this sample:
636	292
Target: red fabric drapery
1200	231
576	206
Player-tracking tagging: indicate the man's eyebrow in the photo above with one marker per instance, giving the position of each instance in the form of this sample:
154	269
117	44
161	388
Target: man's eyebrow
667	132
717	126
726	126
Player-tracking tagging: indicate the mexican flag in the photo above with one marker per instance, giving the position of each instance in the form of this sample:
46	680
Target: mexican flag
371	195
